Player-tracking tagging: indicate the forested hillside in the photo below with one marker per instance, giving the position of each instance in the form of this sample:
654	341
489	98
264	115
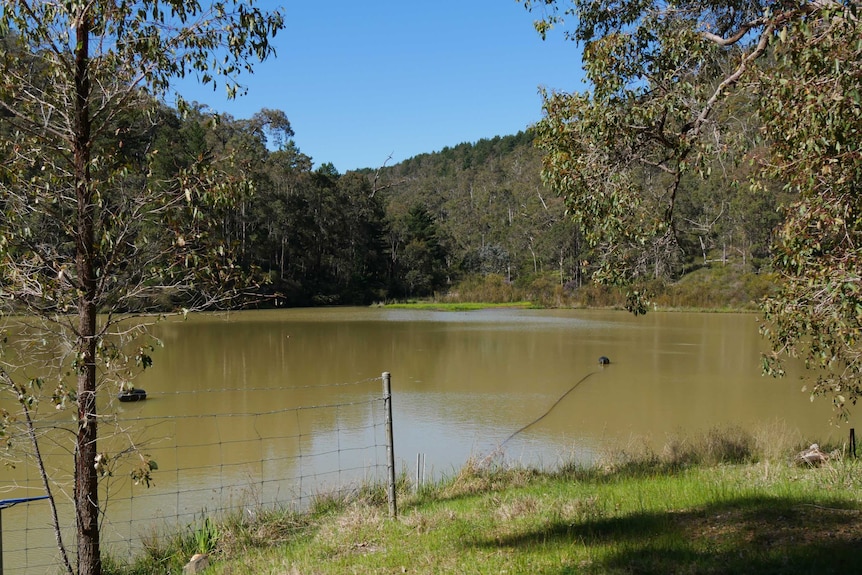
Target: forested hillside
495	215
471	221
475	214
317	237
492	214
472	214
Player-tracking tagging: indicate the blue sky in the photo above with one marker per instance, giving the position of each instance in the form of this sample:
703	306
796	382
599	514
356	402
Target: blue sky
362	80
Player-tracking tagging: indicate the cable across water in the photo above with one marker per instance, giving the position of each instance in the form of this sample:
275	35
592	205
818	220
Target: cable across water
550	409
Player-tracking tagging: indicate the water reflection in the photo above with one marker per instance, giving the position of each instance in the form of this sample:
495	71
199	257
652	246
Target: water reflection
470	379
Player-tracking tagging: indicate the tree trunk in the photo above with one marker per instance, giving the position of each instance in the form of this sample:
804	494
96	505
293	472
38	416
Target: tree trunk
281	258
86	478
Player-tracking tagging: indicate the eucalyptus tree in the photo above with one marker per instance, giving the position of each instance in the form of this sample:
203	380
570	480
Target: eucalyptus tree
812	110
87	230
364	260
664	79
275	212
345	230
423	257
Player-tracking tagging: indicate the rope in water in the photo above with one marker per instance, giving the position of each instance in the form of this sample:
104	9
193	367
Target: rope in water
550	409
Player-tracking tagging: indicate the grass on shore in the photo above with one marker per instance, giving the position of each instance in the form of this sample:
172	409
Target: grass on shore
717	504
716	288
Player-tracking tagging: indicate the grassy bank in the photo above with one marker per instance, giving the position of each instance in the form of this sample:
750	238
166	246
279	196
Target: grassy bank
727	502
718	288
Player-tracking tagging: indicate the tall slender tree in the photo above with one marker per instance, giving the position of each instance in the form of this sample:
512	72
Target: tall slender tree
83	229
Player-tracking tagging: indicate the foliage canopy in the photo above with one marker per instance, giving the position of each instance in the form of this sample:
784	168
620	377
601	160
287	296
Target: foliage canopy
761	95
89	224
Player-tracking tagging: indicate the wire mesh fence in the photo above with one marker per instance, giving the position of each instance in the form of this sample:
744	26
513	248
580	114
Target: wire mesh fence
251	449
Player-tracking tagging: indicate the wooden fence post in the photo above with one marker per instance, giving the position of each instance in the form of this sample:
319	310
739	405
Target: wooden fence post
390	447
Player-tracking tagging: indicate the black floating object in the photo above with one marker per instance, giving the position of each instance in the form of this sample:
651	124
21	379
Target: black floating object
133	395
604	360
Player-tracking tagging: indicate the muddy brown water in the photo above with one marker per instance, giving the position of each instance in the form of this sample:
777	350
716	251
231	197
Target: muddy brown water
464	384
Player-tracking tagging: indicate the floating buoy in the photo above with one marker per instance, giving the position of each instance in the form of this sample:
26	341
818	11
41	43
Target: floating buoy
132	395
604	360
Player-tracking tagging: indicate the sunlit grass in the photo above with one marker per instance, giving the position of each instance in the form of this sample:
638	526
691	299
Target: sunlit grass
717	503
716	288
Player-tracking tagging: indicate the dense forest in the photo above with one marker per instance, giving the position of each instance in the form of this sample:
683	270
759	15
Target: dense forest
498	217
471	221
438	223
441	222
475	214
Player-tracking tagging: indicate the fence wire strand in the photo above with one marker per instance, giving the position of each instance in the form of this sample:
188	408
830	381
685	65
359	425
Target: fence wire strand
279	457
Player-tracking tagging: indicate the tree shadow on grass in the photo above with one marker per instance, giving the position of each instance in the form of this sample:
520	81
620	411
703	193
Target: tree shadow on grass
756	535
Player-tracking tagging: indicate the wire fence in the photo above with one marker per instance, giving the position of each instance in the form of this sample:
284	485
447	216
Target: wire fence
242	451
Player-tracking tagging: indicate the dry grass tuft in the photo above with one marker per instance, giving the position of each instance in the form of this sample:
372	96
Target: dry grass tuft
419	521
583	509
354	524
518	507
485	475
361	515
716	446
775	440
727	445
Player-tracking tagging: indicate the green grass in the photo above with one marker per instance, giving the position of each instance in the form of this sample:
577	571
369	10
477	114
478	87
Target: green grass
714	288
718	503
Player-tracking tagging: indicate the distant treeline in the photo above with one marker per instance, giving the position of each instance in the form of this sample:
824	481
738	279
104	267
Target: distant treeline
312	236
498	221
472	220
